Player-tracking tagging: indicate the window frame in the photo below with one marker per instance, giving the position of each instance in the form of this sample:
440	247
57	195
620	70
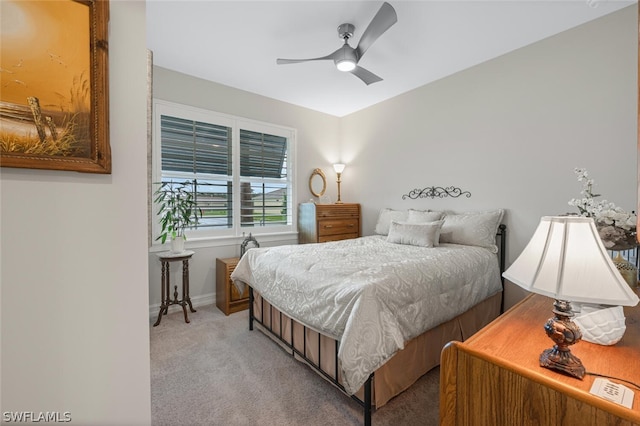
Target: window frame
236	232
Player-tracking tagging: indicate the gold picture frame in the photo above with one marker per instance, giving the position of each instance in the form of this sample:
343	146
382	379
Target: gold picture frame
54	102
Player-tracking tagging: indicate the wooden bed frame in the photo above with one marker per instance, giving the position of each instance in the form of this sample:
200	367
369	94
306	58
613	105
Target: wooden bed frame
421	354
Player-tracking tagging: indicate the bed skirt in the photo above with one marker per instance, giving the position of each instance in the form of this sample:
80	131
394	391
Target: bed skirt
419	355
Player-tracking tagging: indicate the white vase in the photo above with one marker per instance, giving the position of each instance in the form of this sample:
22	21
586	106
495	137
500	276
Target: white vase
177	244
601	325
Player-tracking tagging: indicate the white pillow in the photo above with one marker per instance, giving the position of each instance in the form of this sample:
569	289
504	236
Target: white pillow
386	216
419	216
472	229
415	234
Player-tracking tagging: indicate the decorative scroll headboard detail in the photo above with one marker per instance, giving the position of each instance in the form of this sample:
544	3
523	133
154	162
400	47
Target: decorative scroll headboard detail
436	192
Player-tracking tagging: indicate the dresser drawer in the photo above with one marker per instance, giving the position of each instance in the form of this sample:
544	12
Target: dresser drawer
337	237
337	226
318	223
328	211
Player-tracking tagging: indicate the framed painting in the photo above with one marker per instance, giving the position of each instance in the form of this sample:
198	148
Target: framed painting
54	85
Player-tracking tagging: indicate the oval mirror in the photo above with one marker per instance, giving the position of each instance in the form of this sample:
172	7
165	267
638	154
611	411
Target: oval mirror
317	183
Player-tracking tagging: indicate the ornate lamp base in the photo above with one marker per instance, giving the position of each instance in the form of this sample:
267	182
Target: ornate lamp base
564	333
339	201
563	361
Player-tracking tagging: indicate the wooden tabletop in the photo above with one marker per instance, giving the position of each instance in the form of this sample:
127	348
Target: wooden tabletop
516	339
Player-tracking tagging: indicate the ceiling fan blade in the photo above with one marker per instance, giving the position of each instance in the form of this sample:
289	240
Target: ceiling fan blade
332	56
380	23
367	76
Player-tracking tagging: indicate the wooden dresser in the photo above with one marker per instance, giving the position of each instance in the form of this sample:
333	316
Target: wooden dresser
228	299
494	378
319	223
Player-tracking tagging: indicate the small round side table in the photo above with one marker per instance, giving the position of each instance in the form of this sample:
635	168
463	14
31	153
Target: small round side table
165	259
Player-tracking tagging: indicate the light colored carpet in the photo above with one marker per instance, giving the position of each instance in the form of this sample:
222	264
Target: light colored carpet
214	371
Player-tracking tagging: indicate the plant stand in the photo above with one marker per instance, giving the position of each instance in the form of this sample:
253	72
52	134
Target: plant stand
166	258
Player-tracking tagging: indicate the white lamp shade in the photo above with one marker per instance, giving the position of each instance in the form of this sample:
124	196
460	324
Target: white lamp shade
339	167
566	260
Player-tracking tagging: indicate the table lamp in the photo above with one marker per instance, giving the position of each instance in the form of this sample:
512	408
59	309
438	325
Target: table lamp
339	168
567	261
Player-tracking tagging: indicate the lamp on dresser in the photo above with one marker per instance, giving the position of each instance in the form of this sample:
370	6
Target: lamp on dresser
566	260
339	168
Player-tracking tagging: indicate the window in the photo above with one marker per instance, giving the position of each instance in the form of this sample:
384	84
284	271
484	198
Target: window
239	170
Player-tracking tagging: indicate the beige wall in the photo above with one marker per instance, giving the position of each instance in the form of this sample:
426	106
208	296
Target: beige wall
510	131
74	255
74	283
317	145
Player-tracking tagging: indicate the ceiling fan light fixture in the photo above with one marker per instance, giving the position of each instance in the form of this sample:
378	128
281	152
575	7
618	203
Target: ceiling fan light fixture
346	65
346	58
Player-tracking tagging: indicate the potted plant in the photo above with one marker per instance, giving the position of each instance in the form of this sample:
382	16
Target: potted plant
177	211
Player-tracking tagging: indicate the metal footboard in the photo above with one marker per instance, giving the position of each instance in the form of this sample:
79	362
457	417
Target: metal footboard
366	404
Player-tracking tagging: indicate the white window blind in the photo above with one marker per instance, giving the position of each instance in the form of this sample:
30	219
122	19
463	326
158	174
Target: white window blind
263	179
200	153
238	169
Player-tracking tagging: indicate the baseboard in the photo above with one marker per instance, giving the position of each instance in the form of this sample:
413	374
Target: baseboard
203	300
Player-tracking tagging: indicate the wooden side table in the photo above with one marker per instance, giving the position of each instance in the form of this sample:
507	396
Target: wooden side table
495	376
228	299
165	259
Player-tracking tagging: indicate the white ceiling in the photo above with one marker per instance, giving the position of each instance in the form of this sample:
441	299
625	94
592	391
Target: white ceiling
236	43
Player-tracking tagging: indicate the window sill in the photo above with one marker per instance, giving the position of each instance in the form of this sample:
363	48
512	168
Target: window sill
228	241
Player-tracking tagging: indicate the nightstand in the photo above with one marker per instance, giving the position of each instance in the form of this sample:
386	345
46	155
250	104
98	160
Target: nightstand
495	377
319	223
228	299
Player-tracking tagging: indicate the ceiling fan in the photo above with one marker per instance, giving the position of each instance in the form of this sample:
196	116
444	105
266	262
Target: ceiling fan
346	58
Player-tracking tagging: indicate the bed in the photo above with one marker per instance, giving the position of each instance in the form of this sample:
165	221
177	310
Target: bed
372	314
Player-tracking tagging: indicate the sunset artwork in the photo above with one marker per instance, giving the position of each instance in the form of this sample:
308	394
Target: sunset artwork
46	81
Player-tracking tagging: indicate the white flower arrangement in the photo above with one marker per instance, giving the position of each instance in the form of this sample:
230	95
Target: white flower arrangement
617	227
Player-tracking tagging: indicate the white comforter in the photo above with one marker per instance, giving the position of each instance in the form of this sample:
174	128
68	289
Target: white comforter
369	294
